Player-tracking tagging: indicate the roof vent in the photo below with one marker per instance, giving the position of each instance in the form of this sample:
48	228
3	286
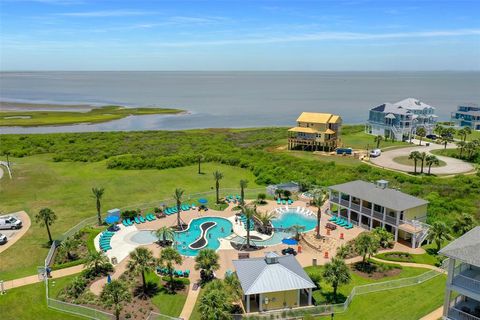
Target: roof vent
417	102
382	184
271	258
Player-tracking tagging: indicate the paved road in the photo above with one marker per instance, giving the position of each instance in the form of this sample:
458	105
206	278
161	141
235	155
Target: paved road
453	166
14	235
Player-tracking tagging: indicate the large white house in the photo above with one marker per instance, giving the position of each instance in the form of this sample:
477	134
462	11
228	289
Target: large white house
462	293
400	120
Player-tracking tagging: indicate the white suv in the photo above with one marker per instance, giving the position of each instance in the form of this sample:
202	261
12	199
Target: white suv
10	222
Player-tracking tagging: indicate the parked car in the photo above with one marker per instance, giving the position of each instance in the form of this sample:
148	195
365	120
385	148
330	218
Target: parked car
9	222
289	251
375	153
3	239
431	136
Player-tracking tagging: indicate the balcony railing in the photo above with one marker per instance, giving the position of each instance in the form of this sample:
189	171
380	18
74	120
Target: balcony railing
366	211
344	202
456	314
378	215
468	282
392	220
334	199
355	206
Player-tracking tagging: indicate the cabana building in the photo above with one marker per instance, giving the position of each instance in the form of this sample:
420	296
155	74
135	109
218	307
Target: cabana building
293	187
273	282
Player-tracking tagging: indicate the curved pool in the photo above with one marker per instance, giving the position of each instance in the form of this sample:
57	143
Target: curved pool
221	229
290	218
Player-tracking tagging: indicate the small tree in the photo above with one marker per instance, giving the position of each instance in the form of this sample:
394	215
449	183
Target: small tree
116	293
165	233
366	245
261	198
168	257
265	219
45	218
141	261
439	232
287	193
279	193
249	213
297	229
431	160
98	194
421	133
336	273
415	156
217	175
461	146
423	155
378	139
199	159
96	261
464	223
67	246
178	196
343	251
215	305
384	238
319	199
466	131
243	186
207	261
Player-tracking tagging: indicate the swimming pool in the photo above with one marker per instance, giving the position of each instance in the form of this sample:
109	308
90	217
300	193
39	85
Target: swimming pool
222	228
290	218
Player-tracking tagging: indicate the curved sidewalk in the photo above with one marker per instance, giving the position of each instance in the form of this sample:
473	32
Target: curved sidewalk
453	166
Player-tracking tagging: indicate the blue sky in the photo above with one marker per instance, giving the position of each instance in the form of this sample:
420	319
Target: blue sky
239	35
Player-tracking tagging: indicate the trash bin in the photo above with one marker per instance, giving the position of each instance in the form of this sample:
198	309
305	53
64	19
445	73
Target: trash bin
114	260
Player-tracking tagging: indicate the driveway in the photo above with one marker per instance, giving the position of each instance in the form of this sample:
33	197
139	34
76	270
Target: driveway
14	235
453	166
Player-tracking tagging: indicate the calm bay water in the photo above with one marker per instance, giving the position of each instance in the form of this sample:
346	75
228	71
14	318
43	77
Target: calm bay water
235	99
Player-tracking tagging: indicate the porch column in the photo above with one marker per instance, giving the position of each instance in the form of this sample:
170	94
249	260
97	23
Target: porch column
298	298
448	291
384	214
349	212
310	296
396	234
247	300
414	239
260	302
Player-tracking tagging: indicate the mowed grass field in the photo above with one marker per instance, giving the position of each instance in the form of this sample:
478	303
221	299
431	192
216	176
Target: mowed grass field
65	187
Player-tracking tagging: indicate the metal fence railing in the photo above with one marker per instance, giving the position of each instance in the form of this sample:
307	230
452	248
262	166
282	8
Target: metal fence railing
79	226
342	307
158	316
79	310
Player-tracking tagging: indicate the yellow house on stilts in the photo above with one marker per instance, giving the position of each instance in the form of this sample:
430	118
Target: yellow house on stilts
315	132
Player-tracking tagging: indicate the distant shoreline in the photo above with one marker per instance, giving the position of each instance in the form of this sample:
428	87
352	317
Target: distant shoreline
20	114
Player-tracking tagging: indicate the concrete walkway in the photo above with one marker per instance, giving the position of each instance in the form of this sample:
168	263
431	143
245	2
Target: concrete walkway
17	234
453	166
34	279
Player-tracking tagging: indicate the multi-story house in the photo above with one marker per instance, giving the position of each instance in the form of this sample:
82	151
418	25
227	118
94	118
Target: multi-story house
400	120
315	131
467	115
371	205
462	293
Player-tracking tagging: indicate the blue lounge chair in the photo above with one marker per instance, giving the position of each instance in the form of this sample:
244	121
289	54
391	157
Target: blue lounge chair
142	219
186	274
333	218
136	220
279	201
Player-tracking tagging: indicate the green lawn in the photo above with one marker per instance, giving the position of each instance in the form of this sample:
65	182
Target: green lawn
103	114
408	303
323	295
167	303
65	187
28	302
424	258
360	140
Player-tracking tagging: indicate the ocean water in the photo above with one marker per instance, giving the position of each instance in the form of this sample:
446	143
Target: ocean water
235	99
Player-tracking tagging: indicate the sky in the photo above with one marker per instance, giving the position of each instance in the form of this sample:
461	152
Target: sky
336	35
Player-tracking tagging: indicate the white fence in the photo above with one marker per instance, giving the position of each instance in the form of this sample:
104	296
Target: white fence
342	307
78	310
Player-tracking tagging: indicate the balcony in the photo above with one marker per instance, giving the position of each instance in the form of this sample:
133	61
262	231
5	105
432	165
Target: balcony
366	211
355	207
391	220
344	202
463	308
334	199
467	277
378	215
456	314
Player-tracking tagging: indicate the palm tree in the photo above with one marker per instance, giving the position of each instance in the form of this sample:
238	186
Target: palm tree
423	155
207	260
178	195
141	261
446	136
366	244
96	260
168	257
67	247
461	146
279	193
439	232
215	305
438	129
415	156
377	140
199	158
466	131
46	217
249	213
165	233
470	148
464	223
243	185
431	160
265	218
421	132
343	251
233	286
336	273
319	199
217	175
297	229
116	292
98	194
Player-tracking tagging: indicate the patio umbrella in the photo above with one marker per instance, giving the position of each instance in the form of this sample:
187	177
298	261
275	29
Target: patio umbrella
202	201
290	242
112	219
109	279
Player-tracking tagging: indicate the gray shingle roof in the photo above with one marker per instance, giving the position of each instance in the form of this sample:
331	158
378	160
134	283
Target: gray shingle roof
413	104
256	276
466	248
390	198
